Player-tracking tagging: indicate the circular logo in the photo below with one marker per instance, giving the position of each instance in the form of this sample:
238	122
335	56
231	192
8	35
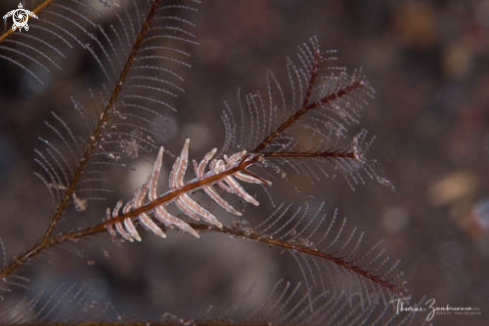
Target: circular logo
20	17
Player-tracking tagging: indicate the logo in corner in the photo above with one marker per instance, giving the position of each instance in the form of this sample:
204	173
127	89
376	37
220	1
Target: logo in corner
20	17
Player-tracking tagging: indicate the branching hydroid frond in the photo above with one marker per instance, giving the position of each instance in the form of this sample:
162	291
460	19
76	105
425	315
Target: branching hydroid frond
224	175
306	234
286	303
143	49
296	304
61	303
142	55
304	125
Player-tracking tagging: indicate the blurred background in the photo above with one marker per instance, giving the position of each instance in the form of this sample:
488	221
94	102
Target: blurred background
428	62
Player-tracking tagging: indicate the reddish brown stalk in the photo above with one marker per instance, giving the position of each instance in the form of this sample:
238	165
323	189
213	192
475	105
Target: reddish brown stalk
48	240
306	106
336	154
101	228
35	11
297	115
338	94
189	187
291	246
51	241
101	122
303	110
229	231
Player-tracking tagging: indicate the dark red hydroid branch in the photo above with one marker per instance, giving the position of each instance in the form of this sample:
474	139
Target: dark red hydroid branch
189	187
306	106
309	251
303	110
104	117
331	154
47	240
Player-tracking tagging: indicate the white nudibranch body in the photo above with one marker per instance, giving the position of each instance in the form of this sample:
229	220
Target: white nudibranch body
228	182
